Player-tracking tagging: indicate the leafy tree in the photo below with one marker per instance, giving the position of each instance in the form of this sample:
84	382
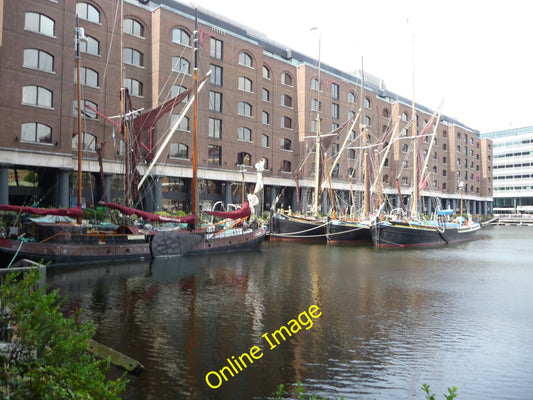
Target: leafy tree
47	357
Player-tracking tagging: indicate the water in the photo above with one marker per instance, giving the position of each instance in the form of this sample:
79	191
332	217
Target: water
392	319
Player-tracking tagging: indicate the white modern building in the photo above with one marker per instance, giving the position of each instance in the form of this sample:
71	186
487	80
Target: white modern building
512	169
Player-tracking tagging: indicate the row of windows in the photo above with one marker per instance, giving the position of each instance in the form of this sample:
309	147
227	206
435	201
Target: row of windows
505	177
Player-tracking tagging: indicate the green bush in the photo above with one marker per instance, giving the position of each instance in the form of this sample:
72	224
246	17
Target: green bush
48	357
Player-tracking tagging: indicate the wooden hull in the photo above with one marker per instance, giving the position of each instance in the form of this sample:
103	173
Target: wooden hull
284	227
403	234
348	232
180	243
63	253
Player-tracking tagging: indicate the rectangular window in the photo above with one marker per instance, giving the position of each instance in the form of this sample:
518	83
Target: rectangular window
214	155
215	128
216	49
215	101
335	91
335	111
216	75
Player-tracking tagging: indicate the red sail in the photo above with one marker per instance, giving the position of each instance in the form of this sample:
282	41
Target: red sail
242	212
146	215
64	212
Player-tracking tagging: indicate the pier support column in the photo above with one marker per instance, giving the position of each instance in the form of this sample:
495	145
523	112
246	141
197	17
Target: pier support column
4	184
227	194
63	188
303	199
430	209
273	194
106	196
294	200
158	194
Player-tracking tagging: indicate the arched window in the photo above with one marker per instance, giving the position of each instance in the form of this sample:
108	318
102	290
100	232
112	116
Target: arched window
244	158
245	134
177	89
179	150
286	166
351	97
88	12
245	59
245	84
286	100
286	122
266	72
86	112
266	95
266	118
368	120
182	65
183	125
35	132
314	84
180	36
286	144
367	103
386	163
133	57
404	116
286	79
245	109
90	46
134	86
386	112
88	144
133	27
265	141
39	23
351	154
37	96
350	173
38	59
89	77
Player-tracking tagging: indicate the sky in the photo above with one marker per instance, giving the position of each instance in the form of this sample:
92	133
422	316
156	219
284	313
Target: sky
476	56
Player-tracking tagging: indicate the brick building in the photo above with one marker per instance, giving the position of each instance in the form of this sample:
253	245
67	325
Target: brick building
261	100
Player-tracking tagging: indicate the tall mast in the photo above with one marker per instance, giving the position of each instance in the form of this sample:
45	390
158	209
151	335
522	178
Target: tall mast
195	128
317	142
124	126
414	197
366	193
80	134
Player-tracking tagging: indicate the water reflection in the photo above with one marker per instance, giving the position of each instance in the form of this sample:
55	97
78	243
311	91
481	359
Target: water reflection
391	320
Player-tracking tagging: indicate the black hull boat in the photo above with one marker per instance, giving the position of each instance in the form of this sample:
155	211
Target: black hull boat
414	233
292	228
348	232
185	243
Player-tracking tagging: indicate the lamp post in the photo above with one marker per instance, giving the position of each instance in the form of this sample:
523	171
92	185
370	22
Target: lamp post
461	186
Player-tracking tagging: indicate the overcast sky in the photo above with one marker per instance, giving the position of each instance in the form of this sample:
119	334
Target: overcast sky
477	56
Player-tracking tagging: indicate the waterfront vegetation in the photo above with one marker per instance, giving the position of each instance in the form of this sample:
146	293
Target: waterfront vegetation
44	354
299	391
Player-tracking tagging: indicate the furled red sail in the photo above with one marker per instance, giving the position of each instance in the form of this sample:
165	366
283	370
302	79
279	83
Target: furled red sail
146	215
64	212
242	212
